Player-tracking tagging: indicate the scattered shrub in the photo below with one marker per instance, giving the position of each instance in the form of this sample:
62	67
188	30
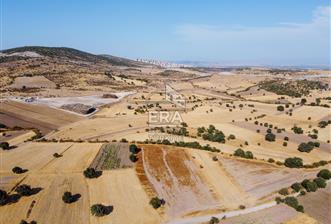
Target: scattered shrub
291	201
156	202
214	220
280	108
325	174
133	158
4	145
297	130
133	149
92	173
18	170
4	197
306	147
100	210
320	182
296	187
271	160
24	190
270	137
294	162
70	198
56	155
283	191
310	186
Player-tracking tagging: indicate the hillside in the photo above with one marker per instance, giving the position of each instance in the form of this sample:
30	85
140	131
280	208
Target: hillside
69	54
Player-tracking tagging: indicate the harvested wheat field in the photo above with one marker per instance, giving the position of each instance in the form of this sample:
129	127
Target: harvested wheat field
17	137
46	206
317	205
46	119
122	190
175	178
31	156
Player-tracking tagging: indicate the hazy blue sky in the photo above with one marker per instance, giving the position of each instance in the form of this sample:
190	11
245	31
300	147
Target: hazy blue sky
274	32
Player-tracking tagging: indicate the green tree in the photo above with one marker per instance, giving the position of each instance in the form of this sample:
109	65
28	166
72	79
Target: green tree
100	210
325	173
320	182
280	108
270	137
294	162
296	187
156	202
92	173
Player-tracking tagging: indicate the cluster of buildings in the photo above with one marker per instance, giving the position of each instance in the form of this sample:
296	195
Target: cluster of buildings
163	64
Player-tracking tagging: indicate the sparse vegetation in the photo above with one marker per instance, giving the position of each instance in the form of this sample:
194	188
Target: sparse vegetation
294	162
92	173
241	153
101	210
270	137
211	134
68	197
18	170
325	174
156	202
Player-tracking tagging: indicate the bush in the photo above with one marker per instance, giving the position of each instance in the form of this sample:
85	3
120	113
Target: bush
300	208
270	137
280	108
214	220
294	162
3	197
242	206
320	182
133	158
271	160
70	198
306	147
286	138
284	144
297	130
56	155
232	137
92	173
239	152
296	187
100	210
25	222
18	170
24	190
249	155
310	186
133	149
211	134
325	174
292	202
156	202
279	200
302	192
283	191
4	145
